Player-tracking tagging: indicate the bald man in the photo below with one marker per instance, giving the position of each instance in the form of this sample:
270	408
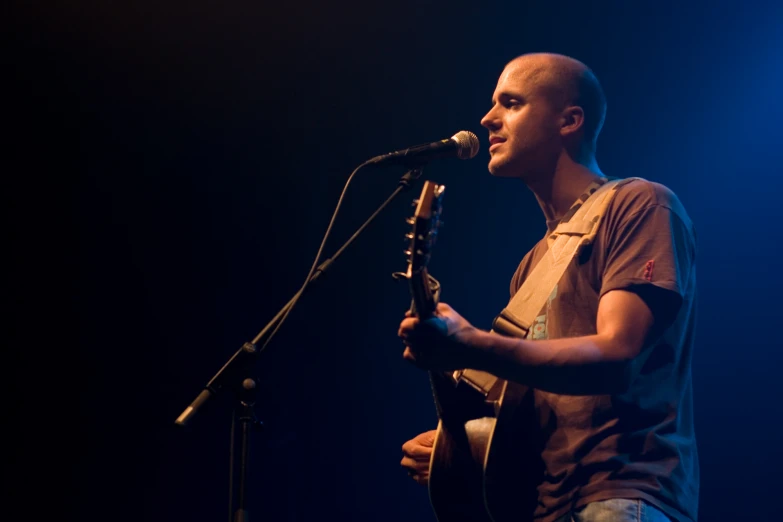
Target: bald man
609	356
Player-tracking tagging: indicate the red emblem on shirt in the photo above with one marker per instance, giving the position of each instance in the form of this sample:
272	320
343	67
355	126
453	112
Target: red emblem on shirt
648	270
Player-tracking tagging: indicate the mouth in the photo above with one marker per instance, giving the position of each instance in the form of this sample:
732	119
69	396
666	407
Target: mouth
495	142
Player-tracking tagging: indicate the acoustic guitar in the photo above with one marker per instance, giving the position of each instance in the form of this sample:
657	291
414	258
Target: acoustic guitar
486	459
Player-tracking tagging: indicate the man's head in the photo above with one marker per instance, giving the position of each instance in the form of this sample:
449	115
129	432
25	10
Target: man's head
544	106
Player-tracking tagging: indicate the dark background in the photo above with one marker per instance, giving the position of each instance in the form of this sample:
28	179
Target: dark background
177	164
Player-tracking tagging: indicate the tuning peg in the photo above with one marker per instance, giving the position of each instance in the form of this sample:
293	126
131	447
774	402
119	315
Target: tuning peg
410	220
407	252
409	236
414	202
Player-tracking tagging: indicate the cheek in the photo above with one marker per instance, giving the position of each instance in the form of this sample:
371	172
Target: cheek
524	129
537	133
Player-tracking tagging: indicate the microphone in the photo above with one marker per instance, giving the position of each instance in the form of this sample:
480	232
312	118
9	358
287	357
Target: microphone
463	145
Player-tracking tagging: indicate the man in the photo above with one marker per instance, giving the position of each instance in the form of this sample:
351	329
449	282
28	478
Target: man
609	357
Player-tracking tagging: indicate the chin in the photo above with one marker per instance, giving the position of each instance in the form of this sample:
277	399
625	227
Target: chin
503	169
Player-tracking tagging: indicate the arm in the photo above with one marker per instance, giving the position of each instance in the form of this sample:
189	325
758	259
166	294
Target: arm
595	364
603	363
635	307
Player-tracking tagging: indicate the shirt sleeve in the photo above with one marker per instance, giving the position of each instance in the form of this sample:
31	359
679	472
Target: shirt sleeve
651	247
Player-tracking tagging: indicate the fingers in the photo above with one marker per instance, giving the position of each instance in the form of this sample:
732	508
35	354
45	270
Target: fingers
439	308
406	326
418	457
418	359
418	470
414	326
427	438
437	325
416	451
421	335
422	479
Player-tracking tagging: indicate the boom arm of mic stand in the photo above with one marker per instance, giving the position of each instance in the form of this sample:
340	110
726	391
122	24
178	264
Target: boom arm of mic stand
241	360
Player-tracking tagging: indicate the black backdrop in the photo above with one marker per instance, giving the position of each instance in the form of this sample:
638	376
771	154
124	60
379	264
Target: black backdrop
178	164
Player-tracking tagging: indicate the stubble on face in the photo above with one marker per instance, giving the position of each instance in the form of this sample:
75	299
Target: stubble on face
530	93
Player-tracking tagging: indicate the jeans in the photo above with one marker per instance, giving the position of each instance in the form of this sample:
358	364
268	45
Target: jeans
616	510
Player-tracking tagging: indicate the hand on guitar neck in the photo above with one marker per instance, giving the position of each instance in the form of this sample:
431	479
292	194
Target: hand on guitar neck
437	337
469	462
443	342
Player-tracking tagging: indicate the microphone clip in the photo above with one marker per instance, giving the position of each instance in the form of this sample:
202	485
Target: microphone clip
407	179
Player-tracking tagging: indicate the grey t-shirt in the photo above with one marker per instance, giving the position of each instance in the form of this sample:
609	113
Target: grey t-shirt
639	443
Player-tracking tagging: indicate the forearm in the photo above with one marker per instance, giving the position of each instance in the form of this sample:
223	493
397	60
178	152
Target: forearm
589	365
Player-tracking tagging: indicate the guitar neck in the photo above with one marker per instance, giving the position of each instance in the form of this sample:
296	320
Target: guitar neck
423	300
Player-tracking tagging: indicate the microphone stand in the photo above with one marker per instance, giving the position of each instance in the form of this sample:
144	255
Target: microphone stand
235	372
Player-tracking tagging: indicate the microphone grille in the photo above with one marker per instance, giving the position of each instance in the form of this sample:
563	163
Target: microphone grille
468	144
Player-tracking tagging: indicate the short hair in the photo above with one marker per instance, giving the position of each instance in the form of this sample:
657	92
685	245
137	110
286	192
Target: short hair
570	82
590	97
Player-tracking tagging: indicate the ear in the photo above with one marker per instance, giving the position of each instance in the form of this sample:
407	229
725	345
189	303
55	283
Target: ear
573	117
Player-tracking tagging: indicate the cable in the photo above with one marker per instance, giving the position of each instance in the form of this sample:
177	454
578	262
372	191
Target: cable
317	258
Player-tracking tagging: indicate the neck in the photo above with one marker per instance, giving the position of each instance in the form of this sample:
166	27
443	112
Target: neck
557	192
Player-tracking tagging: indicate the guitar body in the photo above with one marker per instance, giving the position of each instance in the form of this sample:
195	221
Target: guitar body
456	478
485	461
483	469
513	466
456	484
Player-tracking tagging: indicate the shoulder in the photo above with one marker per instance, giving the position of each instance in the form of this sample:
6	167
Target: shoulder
526	265
637	195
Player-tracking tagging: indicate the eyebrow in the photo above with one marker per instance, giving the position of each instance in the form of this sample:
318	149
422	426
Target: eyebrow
507	95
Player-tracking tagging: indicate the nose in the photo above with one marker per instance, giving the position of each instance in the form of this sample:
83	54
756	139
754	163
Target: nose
491	120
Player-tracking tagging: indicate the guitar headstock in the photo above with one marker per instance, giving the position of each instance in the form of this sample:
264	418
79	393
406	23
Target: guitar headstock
424	226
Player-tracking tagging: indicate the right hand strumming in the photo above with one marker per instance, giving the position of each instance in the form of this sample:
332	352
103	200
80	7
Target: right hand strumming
416	456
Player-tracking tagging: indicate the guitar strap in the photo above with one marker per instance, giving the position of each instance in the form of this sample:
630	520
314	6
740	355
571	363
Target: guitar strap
576	230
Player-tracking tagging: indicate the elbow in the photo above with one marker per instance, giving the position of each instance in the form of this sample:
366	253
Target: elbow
609	378
606	378
623	376
620	365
